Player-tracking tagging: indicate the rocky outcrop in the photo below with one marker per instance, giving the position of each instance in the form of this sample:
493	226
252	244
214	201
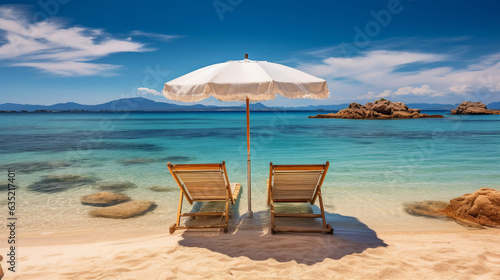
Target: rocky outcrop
59	183
123	210
430	209
473	108
380	110
104	199
481	207
1	270
161	189
116	186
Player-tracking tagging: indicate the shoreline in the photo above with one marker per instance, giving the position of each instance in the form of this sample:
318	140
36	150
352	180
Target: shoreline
253	254
343	225
365	220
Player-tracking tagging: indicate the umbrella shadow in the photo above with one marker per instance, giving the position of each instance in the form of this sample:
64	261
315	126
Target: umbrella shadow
351	236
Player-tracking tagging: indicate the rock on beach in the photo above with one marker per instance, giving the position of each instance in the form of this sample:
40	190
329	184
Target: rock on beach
473	108
481	207
123	210
104	199
431	209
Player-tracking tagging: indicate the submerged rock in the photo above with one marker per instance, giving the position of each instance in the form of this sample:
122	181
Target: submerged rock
473	108
59	183
124	210
137	161
481	207
381	110
116	186
104	199
133	161
176	159
31	167
161	189
431	209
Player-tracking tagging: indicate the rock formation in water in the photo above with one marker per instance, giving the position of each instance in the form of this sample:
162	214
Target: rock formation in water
473	108
431	209
380	110
116	186
481	207
123	210
162	189
59	183
1	270
104	199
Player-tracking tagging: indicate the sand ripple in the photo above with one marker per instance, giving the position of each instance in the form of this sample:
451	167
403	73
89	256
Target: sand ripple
259	255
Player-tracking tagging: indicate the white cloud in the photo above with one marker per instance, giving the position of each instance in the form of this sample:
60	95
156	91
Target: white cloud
369	66
161	37
376	74
146	91
372	95
423	90
57	48
483	76
72	68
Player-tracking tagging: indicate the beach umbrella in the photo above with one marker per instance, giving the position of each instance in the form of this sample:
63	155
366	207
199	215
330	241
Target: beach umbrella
249	81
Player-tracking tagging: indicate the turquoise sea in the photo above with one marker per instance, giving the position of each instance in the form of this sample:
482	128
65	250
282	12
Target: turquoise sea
375	165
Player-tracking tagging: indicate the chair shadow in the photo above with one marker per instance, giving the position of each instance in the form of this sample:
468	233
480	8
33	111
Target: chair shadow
214	206
351	236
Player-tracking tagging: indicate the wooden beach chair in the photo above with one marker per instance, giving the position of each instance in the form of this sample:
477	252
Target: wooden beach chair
203	182
297	183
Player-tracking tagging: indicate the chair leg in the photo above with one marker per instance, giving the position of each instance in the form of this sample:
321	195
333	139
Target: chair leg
172	228
227	216
272	217
325	225
178	220
268	192
320	198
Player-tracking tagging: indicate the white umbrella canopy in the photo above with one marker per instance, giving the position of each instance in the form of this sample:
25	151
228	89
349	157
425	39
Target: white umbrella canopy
245	80
242	79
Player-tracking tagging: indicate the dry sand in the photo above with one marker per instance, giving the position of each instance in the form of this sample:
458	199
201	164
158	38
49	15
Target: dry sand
256	254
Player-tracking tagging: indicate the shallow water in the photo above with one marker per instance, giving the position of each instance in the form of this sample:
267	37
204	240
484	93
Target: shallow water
375	165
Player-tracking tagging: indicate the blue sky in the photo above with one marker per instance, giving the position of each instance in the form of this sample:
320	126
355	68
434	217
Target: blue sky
92	52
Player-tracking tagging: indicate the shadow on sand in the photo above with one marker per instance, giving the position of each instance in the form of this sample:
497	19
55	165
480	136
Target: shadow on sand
252	238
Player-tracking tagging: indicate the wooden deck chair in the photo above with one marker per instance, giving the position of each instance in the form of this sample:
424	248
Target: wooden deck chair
297	183
203	182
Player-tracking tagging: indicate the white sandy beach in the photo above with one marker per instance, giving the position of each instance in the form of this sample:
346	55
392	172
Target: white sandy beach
256	254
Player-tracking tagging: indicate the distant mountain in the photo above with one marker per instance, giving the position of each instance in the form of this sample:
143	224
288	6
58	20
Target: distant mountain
20	107
256	106
66	106
125	104
334	107
421	106
432	106
426	106
494	105
338	107
143	104
137	104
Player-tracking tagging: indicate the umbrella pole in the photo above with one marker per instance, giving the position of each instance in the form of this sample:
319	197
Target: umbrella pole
249	176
